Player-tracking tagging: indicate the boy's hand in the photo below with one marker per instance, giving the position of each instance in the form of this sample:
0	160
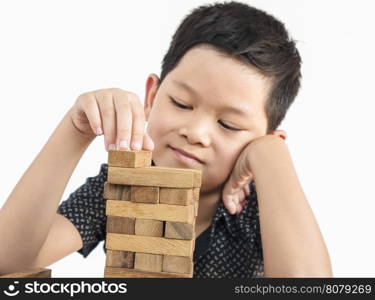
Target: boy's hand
117	114
236	188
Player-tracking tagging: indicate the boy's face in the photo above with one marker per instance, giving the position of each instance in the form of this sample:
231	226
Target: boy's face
211	86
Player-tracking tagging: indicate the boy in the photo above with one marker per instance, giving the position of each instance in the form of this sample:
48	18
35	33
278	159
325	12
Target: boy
227	80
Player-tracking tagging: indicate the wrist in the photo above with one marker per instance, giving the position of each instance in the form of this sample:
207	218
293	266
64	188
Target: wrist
266	150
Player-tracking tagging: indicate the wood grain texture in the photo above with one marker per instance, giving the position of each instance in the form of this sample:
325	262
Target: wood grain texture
177	196
148	227
178	230
119	259
149	244
148	262
155	176
162	212
116	191
110	272
120	225
129	159
29	273
144	194
196	193
196	208
177	264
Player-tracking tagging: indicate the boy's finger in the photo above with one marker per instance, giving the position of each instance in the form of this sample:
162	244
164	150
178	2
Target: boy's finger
107	112
241	203
124	119
139	123
239	208
239	198
247	190
91	109
228	203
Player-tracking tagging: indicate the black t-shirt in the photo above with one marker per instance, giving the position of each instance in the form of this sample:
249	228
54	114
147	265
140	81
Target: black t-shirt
230	248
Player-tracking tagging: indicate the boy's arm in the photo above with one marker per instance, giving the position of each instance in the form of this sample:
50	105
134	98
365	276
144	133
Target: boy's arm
27	215
292	242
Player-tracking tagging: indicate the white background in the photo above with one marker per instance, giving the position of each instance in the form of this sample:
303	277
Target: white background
52	51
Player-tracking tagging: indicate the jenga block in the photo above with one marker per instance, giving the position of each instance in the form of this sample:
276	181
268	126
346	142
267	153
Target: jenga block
196	193
178	230
120	225
120	259
29	273
176	196
149	244
196	207
148	262
129	159
110	272
155	176
149	227
145	194
177	264
162	212
116	191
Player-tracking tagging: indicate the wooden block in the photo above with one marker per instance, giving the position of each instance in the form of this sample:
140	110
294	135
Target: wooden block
120	259
149	244
120	225
176	196
116	191
162	212
145	194
196	207
155	176
149	227
129	159
177	264
178	230
110	272
196	192
148	262
29	273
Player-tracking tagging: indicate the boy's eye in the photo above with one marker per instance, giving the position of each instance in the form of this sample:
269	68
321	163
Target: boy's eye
187	107
179	104
229	127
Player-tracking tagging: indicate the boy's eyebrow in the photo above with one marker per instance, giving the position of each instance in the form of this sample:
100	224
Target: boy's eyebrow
239	111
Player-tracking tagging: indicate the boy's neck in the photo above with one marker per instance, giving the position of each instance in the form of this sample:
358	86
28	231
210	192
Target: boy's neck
208	203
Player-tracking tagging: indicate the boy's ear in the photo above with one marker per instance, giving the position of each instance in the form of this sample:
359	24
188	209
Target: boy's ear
152	85
280	133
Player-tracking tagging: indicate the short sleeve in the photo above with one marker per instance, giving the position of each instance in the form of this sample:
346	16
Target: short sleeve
85	208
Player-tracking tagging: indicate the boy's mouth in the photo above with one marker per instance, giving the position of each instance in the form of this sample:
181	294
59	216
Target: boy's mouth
186	157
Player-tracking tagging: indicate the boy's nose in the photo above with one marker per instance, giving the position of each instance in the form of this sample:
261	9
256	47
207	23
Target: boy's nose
196	132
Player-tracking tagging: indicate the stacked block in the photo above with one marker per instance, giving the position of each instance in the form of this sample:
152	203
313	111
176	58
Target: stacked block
151	213
30	273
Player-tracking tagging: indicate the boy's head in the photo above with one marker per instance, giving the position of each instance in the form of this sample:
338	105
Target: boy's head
222	56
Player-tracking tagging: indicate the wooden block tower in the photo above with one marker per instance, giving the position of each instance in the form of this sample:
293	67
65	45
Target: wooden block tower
151	214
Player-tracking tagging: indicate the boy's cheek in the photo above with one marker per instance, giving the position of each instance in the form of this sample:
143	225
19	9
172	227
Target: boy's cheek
223	167
212	180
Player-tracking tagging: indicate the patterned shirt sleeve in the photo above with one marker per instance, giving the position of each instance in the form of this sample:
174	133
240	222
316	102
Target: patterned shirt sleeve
85	208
